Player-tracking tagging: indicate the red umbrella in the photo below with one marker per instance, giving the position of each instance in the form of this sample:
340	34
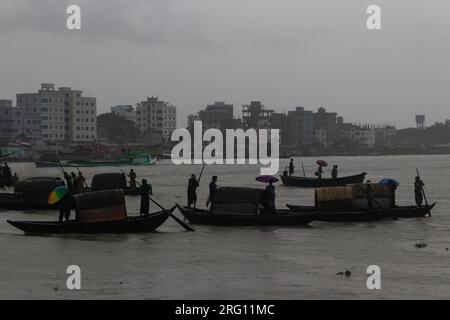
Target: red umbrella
266	179
322	163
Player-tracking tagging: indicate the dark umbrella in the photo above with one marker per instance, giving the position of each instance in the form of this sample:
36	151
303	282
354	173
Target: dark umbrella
322	163
266	179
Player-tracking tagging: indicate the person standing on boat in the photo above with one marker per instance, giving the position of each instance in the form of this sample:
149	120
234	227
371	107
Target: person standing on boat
146	192
7	174
74	183
418	191
291	168
64	206
133	177
334	172
319	172
69	182
192	191
212	192
270	198
81	181
15	180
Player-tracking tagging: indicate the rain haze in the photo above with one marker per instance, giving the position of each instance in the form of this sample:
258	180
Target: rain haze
190	53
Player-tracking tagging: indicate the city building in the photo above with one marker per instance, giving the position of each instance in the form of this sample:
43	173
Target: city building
256	116
326	121
43	116
385	135
52	117
80	116
219	115
300	127
10	121
125	111
156	117
360	136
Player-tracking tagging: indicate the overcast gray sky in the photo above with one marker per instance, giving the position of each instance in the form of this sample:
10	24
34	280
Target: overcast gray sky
193	52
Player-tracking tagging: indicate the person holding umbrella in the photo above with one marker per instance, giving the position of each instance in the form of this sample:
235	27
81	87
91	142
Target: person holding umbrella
321	164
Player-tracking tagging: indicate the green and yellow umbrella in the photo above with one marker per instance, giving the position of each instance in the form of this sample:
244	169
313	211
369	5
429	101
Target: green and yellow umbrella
57	195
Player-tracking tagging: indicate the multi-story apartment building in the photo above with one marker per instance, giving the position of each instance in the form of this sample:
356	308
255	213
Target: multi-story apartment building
326	121
43	115
56	116
156	117
125	111
255	115
10	121
80	116
300	127
219	115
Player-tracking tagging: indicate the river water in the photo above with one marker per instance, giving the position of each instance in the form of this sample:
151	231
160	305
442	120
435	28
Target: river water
241	263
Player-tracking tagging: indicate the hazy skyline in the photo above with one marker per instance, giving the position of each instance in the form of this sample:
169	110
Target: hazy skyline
191	53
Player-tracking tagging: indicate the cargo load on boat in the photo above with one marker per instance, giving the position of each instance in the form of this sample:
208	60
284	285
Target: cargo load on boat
354	197
100	206
240	201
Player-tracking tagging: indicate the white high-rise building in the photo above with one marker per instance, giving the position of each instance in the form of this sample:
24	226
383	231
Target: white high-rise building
57	116
156	117
43	115
81	116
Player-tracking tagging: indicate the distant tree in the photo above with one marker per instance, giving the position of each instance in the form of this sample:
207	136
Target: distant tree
116	129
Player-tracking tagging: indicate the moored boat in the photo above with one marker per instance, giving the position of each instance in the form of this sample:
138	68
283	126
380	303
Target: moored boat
304	182
31	194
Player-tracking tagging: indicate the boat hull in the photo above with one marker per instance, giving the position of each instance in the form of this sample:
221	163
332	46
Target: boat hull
404	212
302	182
282	218
131	225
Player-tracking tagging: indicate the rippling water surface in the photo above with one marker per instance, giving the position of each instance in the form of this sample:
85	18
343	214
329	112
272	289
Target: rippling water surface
241	263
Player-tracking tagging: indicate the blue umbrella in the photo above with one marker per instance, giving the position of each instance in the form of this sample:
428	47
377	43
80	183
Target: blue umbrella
389	182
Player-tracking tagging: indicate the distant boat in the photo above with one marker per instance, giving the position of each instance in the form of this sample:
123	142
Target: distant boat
304	182
140	159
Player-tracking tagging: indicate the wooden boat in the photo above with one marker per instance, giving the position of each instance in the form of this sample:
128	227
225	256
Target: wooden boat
98	212
280	218
134	159
303	182
403	212
131	225
31	194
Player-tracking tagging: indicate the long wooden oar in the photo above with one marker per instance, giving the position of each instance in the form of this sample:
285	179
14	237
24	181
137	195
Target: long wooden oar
201	173
370	196
181	223
85	183
423	192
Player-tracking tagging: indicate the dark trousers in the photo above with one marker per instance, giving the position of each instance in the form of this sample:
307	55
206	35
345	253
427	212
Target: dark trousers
419	198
